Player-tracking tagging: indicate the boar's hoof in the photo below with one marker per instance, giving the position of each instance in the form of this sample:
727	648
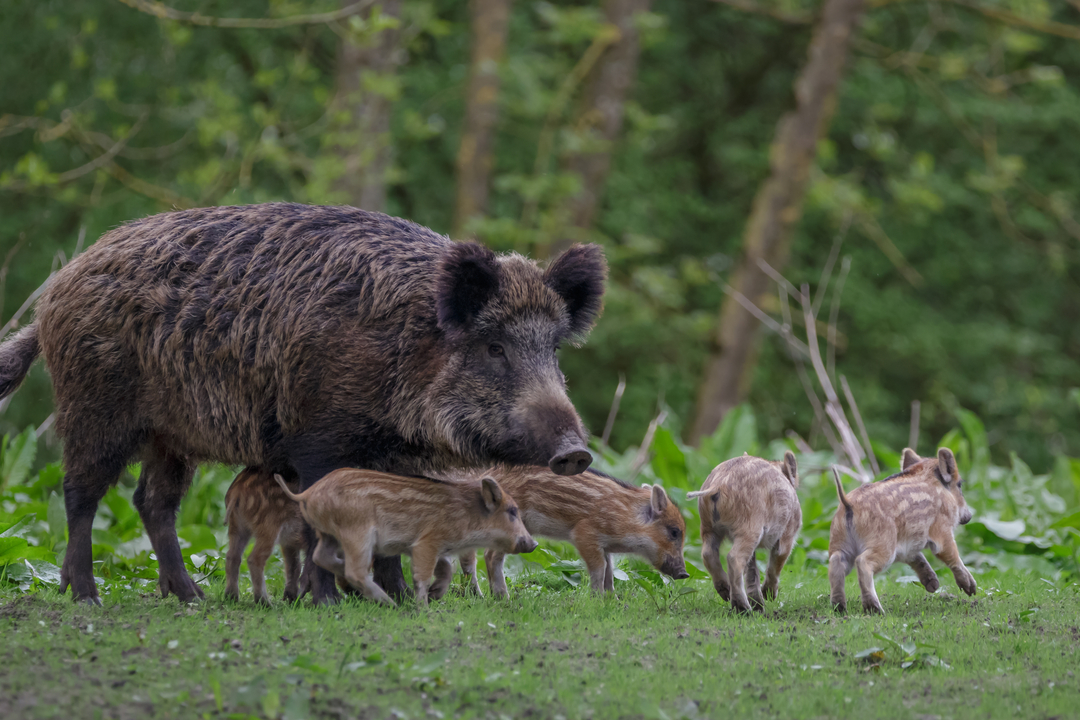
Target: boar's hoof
86	600
840	608
570	463
873	609
969	585
933	585
723	591
740	608
183	587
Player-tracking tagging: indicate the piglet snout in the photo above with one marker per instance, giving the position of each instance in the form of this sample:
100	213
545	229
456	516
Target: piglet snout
525	544
966	515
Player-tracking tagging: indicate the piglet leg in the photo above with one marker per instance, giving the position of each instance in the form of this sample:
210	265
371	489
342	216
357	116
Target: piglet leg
926	574
493	559
950	555
710	555
839	567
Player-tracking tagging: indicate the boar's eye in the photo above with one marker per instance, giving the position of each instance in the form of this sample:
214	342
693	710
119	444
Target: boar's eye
674	532
512	512
496	350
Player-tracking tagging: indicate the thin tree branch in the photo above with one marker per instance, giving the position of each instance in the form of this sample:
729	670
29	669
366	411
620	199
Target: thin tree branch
859	423
161	194
913	431
834	314
754	8
615	402
646	443
160	10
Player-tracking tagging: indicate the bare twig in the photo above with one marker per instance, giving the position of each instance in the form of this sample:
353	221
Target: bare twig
800	444
859	423
749	7
646	443
913	432
161	194
834	314
764	318
45	426
160	10
615	401
834	253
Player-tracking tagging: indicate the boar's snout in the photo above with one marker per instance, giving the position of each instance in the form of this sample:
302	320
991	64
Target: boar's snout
571	457
525	544
673	566
965	515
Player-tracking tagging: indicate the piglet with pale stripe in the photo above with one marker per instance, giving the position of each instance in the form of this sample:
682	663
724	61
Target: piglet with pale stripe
894	520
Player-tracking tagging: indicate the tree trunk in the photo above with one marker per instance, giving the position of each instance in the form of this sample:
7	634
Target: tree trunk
366	91
490	20
775	212
601	116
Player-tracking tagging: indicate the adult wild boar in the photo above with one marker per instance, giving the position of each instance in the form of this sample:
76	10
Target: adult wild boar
294	336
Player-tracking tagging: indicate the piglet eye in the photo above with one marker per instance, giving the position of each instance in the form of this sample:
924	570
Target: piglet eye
513	512
496	350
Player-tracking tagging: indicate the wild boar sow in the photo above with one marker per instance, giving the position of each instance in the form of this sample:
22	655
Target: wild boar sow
894	520
291	336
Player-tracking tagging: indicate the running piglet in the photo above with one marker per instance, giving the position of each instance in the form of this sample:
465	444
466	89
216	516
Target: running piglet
894	520
752	501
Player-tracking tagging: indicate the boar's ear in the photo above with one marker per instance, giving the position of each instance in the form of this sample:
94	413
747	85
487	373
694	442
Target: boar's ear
578	277
791	469
491	493
468	279
946	464
908	459
658	501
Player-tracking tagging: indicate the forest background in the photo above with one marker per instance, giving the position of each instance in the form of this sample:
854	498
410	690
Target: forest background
937	179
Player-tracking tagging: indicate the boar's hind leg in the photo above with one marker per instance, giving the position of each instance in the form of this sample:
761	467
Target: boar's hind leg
710	555
927	576
753	583
739	558
870	563
85	483
239	535
164	480
290	556
264	546
777	559
358	569
839	567
609	573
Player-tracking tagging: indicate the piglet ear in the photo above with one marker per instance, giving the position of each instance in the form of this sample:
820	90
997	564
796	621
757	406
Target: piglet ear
578	277
659	500
491	493
791	469
908	459
947	465
468	279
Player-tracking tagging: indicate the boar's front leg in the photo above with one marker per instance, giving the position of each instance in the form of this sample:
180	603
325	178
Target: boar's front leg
950	555
468	566
926	574
609	573
493	559
164	479
424	559
590	550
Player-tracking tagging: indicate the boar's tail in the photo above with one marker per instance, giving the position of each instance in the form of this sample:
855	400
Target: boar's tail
285	488
840	493
16	356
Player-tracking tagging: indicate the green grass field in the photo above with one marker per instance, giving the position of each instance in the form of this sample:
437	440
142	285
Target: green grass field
1011	651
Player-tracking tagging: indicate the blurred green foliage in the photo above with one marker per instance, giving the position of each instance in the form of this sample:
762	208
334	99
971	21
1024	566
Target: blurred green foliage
951	156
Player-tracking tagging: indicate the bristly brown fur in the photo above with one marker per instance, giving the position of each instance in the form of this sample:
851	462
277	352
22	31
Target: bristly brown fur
295	337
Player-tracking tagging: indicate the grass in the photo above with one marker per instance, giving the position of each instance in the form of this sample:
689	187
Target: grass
1012	650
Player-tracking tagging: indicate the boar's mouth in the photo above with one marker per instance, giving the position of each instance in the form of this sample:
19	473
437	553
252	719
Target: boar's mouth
674	567
537	439
965	516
